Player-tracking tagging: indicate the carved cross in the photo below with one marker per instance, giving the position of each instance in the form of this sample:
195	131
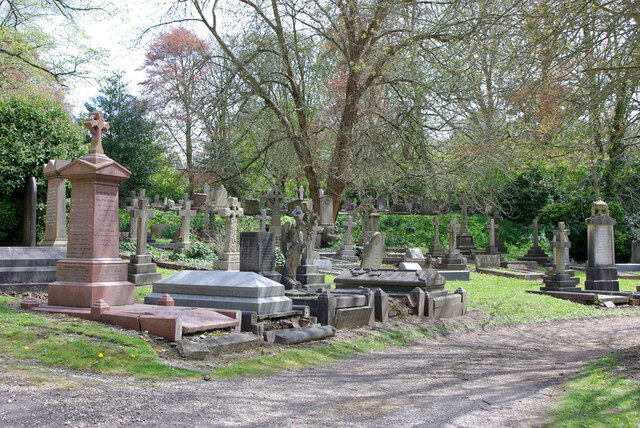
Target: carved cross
492	232
134	201
97	127
231	213
350	224
186	212
208	208
436	229
454	229
263	217
141	214
274	199
534	227
560	244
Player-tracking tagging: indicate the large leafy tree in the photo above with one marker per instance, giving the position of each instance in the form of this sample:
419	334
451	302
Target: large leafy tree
132	139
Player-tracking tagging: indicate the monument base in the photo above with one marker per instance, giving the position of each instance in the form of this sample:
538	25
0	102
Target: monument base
452	261
602	278
309	274
560	282
536	254
141	271
228	262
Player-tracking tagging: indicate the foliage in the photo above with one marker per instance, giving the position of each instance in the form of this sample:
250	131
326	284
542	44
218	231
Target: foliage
33	130
524	197
132	139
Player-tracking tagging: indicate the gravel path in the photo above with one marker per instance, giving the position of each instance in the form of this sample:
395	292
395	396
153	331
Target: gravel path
496	377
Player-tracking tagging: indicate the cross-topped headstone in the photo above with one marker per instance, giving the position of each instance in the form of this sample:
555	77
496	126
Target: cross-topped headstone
350	224
492	235
559	245
263	217
274	199
231	213
221	197
534	227
186	213
453	229
208	209
436	229
141	214
97	127
134	203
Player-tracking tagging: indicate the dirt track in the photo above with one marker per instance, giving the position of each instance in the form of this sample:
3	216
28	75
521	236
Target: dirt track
495	377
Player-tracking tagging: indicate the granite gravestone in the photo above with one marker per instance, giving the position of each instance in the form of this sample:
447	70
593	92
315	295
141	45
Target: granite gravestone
373	252
466	244
229	258
560	279
601	270
535	253
274	199
186	213
92	269
436	249
55	226
452	259
257	254
141	270
347	250
263	218
30	208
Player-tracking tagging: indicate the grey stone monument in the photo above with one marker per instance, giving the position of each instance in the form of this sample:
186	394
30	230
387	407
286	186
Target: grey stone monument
132	202
436	249
307	272
601	270
466	244
346	250
257	254
229	258
493	249
453	259
635	252
326	211
373	252
274	199
30	205
263	218
186	213
560	279
141	270
535	253
55	227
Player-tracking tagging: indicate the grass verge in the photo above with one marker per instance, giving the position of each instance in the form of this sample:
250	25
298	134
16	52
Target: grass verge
599	396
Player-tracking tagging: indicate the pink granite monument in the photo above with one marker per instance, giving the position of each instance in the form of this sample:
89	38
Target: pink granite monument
92	269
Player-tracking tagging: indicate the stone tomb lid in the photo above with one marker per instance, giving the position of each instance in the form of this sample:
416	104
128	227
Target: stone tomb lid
219	283
414	253
390	277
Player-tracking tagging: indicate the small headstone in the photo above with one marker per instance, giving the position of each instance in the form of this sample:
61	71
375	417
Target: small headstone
373	252
487	261
251	207
409	266
326	211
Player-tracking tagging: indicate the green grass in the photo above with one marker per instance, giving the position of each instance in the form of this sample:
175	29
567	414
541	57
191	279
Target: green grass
506	301
72	343
142	291
598	396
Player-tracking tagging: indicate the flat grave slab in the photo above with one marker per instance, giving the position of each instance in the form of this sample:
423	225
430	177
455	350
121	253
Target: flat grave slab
529	276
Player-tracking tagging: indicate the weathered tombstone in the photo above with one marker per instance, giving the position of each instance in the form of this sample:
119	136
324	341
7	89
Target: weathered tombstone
559	278
186	213
141	270
301	193
295	247
221	197
493	249
535	253
373	252
132	205
263	217
251	206
635	252
208	210
383	203
466	244
502	249
257	254
30	206
436	249
601	270
307	272
415	255
487	261
92	269
346	250
346	204
229	258
326	211
452	259
274	199
55	227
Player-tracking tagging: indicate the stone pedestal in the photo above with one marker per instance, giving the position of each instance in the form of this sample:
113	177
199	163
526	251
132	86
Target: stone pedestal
452	261
310	275
635	252
257	254
536	254
560	282
142	271
30	208
601	270
467	245
55	227
92	269
347	252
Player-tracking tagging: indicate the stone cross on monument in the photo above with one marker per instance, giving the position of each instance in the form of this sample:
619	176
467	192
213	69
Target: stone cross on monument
561	243
349	223
534	227
274	199
454	229
134	201
186	213
436	229
263	217
208	209
492	236
97	127
230	256
141	214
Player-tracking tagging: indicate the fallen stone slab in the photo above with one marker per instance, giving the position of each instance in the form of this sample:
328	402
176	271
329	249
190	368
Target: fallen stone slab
293	336
217	345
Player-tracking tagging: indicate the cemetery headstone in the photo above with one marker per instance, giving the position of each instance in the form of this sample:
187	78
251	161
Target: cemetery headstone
383	203
257	254
274	199
493	249
141	269
601	270
502	249
326	211
635	252
55	227
30	207
415	255
132	205
466	244
559	278
436	249
263	218
229	258
221	197
535	253
347	250
373	252
307	272
92	269
251	206
186	213
453	259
